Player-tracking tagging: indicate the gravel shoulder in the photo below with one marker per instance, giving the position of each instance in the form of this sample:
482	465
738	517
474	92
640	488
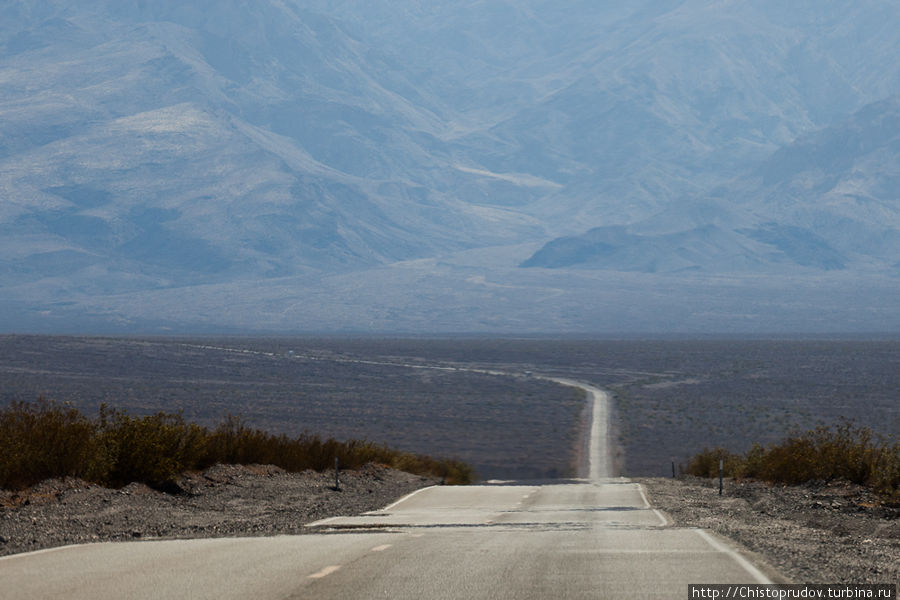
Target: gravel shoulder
223	501
835	533
814	533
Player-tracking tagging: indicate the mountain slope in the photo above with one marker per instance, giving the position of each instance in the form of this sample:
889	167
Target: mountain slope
279	155
166	144
829	201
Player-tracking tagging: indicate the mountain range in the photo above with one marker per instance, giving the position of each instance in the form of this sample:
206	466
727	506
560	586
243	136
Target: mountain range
505	166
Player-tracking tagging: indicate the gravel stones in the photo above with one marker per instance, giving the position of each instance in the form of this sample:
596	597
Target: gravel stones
835	533
223	501
814	533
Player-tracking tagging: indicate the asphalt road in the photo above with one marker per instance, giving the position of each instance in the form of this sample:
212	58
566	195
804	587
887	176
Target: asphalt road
600	463
587	538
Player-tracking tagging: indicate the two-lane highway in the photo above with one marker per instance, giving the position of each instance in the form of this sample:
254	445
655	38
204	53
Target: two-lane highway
589	538
578	539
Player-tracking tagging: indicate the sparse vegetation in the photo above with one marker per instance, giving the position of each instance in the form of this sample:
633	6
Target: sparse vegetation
474	417
45	439
824	454
671	397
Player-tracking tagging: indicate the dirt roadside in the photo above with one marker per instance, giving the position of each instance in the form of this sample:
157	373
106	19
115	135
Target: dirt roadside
223	501
814	533
836	533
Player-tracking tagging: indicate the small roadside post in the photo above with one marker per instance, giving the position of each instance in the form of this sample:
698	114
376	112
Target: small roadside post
721	470
337	483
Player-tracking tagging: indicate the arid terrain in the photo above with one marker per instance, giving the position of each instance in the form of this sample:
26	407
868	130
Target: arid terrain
504	426
223	501
671	397
477	400
812	534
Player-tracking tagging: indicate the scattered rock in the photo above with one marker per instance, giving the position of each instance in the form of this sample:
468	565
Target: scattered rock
816	533
223	501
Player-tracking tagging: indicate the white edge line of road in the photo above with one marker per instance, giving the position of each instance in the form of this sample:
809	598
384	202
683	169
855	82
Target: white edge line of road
407	497
43	551
659	515
323	522
758	575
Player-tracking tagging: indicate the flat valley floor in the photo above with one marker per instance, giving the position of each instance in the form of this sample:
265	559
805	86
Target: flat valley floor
479	399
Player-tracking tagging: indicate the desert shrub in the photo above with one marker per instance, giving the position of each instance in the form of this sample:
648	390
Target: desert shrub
792	461
454	472
753	462
823	454
885	478
845	452
459	472
45	440
706	463
153	449
233	442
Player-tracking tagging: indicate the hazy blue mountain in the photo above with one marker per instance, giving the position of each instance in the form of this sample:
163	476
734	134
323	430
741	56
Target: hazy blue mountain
828	201
615	248
843	182
177	142
298	164
630	106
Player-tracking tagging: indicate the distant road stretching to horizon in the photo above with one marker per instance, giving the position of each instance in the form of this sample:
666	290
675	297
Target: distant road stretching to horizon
597	537
600	452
